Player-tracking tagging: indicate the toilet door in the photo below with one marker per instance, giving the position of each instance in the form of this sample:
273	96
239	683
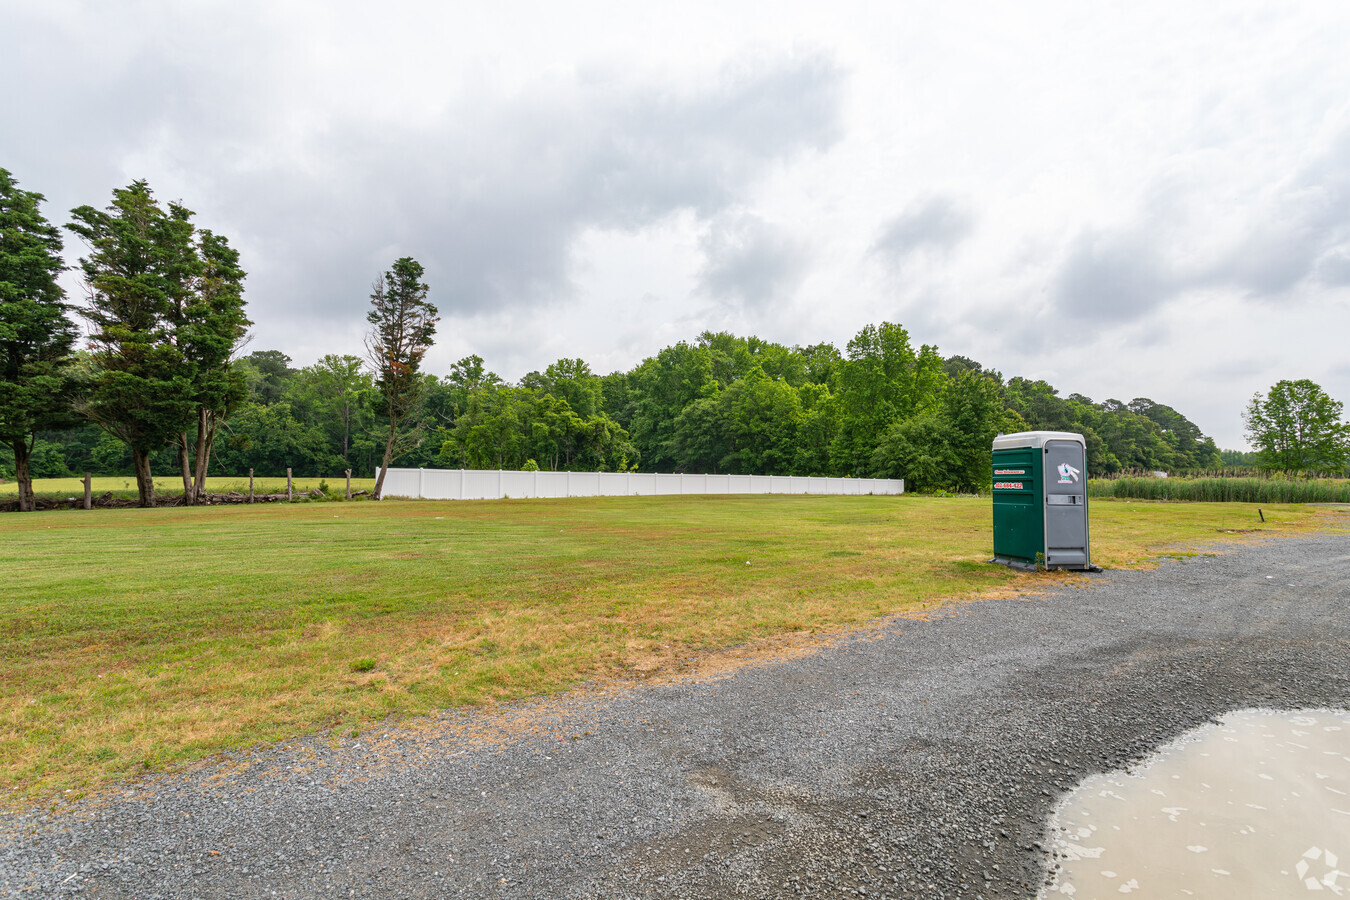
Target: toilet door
1065	504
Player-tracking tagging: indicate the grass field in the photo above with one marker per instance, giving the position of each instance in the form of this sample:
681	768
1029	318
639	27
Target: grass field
136	640
1225	490
125	485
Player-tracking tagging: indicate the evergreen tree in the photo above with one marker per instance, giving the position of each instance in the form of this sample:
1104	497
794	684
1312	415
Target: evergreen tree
165	306
402	324
137	272
35	335
209	327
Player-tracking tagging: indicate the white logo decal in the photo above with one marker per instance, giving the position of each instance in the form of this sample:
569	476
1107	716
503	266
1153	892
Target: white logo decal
1067	474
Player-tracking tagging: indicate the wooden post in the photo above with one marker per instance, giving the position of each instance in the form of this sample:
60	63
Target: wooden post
250	485
349	484
88	492
289	493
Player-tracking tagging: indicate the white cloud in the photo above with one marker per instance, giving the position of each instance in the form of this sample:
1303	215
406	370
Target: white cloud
600	180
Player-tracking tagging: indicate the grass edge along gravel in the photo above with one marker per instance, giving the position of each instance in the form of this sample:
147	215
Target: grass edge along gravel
231	627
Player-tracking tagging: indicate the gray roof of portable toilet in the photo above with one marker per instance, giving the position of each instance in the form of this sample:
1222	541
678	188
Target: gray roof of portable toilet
1034	439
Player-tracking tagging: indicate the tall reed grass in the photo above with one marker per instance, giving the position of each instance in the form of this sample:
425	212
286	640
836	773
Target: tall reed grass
1225	490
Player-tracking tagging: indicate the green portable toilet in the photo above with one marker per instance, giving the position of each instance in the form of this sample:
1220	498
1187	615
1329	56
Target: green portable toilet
1040	500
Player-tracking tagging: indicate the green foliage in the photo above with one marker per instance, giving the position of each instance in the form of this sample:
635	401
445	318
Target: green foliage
919	451
663	386
1296	427
973	412
1239	458
402	324
166	311
337	395
47	461
883	380
762	419
270	439
504	427
1225	490
722	404
267	374
35	334
1138	435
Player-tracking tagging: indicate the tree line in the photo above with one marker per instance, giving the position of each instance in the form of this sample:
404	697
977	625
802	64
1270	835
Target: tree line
720	403
164	385
158	379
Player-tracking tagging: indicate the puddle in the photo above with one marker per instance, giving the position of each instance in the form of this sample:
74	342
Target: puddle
1255	806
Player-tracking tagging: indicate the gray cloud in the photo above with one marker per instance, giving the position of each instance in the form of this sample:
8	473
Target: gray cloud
1334	268
937	223
751	261
494	207
1298	233
1110	277
490	193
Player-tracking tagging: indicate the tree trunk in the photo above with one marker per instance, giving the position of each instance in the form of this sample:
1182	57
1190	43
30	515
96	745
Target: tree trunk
206	436
186	469
388	458
145	483
346	435
22	475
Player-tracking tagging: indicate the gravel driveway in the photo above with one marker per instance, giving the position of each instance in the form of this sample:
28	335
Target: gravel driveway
913	759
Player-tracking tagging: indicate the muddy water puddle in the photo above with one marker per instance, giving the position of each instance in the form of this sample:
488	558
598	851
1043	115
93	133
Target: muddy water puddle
1255	806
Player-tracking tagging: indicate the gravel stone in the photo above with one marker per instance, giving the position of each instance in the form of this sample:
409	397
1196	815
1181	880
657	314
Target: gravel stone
917	758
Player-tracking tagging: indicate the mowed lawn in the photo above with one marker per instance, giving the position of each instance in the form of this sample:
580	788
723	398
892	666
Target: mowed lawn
135	640
125	485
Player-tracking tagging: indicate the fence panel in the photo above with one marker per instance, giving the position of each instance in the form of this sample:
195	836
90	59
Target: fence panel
518	484
552	484
643	484
481	484
613	484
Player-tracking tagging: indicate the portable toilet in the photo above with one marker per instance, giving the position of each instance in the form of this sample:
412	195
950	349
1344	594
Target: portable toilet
1040	500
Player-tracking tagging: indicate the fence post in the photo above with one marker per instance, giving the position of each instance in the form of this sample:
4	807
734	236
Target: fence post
250	485
290	495
567	485
88	492
349	484
536	484
419	482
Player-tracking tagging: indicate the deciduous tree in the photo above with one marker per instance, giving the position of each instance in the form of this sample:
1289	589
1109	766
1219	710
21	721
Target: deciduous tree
1296	427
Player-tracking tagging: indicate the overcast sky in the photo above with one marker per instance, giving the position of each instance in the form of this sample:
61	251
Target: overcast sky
1127	199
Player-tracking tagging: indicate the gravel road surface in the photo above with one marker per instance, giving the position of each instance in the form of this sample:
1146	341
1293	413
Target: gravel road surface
912	759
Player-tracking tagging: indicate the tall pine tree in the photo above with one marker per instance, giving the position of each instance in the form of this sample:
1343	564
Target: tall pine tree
402	323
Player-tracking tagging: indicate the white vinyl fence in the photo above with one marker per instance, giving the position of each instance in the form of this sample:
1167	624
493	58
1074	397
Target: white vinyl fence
488	484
